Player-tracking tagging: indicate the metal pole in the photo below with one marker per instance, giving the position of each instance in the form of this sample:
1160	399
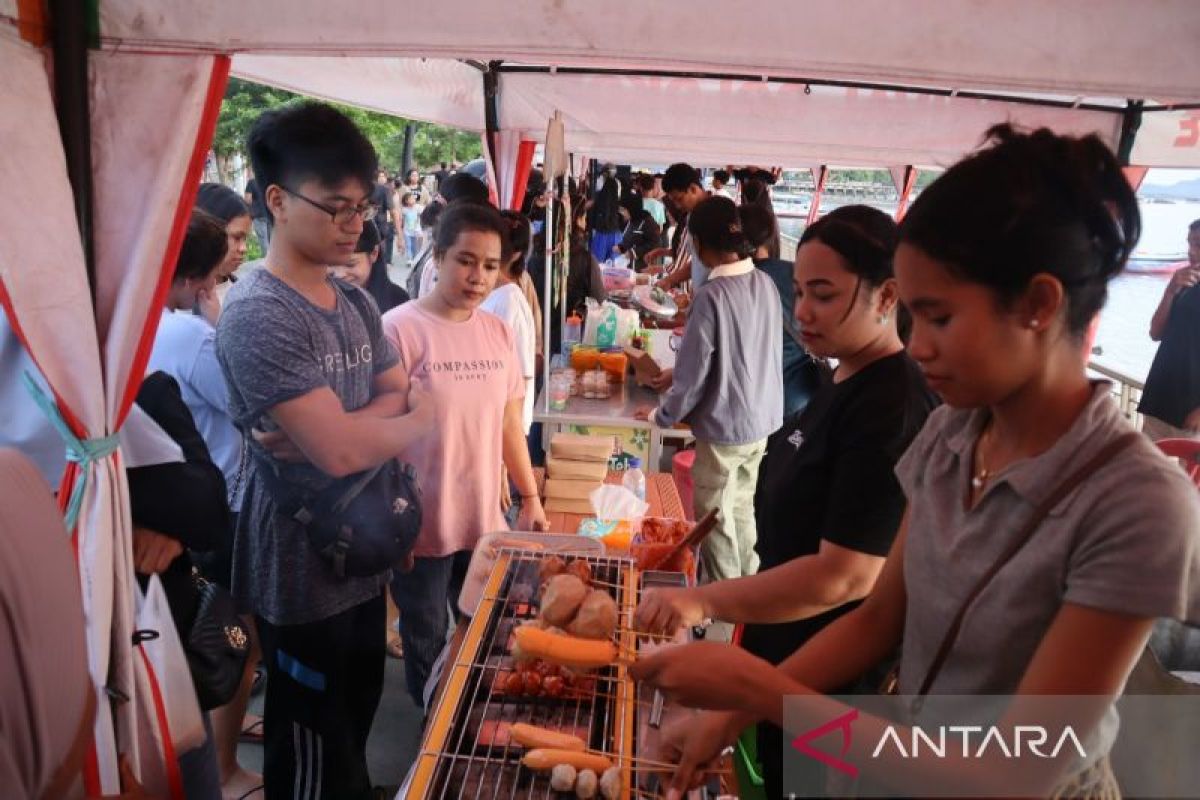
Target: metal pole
70	41
547	290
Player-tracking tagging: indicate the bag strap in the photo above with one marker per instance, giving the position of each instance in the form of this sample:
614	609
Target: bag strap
1020	540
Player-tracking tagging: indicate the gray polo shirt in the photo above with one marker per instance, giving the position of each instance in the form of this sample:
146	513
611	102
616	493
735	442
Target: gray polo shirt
1127	540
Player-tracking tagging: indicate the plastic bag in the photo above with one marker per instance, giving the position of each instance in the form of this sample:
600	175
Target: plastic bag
600	329
617	502
170	714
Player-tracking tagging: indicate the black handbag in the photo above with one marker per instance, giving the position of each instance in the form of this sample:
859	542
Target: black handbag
217	645
363	524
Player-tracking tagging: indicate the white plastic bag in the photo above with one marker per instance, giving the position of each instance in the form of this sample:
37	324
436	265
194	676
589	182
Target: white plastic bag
170	718
600	328
617	502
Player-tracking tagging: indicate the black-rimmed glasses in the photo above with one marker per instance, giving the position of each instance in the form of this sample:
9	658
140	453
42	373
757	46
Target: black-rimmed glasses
340	215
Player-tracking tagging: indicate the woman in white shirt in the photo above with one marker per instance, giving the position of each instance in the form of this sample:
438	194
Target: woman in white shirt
507	301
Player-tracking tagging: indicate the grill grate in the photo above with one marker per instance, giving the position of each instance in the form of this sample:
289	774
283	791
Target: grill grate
464	755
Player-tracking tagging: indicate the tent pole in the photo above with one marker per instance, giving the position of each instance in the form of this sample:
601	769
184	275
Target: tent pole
491	112
1129	128
547	293
70	43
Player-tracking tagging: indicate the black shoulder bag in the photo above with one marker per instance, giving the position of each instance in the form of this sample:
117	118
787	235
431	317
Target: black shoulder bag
363	524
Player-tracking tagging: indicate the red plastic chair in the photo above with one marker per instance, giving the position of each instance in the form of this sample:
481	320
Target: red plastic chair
1188	453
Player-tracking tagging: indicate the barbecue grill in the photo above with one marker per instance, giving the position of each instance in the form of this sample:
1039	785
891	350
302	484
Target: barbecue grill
465	754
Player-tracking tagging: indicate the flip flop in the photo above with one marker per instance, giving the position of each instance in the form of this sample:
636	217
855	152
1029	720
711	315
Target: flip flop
252	733
395	648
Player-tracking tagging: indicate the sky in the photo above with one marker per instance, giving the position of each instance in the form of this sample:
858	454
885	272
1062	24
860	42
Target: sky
1167	177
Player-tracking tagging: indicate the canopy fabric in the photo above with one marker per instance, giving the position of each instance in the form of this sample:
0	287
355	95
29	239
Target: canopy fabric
1109	48
146	116
431	90
660	119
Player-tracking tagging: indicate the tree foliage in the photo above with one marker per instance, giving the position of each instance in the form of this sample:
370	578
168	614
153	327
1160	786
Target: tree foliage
245	101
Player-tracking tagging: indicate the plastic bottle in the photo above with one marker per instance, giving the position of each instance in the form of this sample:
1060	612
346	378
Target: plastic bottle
573	333
634	479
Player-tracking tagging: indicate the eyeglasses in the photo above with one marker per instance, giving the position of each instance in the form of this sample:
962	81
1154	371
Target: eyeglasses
340	215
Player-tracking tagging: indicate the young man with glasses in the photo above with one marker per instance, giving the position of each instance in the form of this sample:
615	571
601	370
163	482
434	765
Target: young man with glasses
318	389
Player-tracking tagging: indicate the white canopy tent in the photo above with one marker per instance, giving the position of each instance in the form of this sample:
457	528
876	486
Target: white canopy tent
120	136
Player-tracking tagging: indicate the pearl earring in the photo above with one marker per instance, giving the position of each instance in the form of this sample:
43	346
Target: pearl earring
1033	323
883	318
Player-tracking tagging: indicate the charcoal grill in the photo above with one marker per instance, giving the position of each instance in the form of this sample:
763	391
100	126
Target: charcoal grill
463	755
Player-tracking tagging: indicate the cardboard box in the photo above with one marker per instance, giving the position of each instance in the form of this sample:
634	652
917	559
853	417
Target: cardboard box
576	470
581	448
557	504
644	366
566	489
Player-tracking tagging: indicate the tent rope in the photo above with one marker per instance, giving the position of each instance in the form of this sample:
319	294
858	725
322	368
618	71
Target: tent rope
83	452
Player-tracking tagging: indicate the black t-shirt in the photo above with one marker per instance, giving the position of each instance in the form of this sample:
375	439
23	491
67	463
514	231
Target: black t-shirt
258	204
381	197
1173	385
828	475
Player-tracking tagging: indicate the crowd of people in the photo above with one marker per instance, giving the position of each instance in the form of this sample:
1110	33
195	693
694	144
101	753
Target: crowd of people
876	424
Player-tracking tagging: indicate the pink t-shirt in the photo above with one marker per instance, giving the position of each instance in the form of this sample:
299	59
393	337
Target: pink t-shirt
469	371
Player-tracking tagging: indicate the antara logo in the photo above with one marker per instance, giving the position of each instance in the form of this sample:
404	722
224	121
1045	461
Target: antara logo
1024	739
977	741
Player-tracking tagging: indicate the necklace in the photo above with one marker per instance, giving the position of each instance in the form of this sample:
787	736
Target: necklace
981	475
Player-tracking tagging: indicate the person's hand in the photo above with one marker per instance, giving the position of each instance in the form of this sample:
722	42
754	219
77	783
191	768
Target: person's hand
280	446
662	381
694	742
210	305
1184	278
153	552
1192	421
710	675
643	412
532	516
668	610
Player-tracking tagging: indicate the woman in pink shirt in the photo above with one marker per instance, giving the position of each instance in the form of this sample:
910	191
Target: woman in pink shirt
465	363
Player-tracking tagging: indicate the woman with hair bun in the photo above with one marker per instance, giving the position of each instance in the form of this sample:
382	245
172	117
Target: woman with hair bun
1043	536
728	385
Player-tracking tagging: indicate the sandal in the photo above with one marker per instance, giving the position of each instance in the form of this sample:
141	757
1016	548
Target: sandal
252	733
395	647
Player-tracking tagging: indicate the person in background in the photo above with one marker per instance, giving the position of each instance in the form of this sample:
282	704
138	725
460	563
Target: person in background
224	204
1170	404
727	385
414	185
642	234
464	362
827	503
364	271
801	374
584	278
386	218
419	266
440	176
458	187
757	193
185	349
720	180
410	219
260	219
1004	262
604	219
681	183
312	377
507	301
647	187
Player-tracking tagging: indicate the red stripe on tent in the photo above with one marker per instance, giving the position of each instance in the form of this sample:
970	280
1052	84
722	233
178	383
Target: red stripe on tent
170	760
524	166
820	175
31	22
183	211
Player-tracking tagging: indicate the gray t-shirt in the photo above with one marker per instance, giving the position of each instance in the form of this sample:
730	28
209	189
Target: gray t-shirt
274	345
1127	540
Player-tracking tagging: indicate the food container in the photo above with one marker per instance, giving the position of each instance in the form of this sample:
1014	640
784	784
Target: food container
615	365
656	538
584	359
560	389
